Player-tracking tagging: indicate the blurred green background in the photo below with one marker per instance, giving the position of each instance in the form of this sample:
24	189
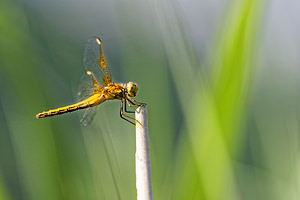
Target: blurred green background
220	78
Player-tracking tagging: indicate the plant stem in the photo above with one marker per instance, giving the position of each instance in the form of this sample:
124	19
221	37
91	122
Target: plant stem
142	156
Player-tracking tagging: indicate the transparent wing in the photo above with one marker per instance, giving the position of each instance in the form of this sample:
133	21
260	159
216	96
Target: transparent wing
89	115
86	88
94	61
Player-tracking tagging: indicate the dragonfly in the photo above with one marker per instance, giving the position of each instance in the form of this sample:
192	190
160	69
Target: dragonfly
97	87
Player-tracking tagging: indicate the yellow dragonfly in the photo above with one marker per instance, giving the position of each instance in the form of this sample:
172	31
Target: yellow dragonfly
96	87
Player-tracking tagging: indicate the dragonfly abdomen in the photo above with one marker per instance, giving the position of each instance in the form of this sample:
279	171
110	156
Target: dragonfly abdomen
62	110
93	100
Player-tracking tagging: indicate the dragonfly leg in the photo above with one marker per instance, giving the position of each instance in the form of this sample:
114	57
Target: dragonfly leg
127	102
122	115
131	103
134	102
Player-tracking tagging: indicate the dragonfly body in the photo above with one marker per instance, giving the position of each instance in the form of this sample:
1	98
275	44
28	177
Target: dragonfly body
101	89
112	92
94	100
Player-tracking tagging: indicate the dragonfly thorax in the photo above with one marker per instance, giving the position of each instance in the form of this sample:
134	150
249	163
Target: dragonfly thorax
131	89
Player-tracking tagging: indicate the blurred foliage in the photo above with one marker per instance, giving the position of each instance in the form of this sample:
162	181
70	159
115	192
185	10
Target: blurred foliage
223	124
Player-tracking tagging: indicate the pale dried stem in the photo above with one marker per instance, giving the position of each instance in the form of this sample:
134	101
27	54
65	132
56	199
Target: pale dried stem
142	156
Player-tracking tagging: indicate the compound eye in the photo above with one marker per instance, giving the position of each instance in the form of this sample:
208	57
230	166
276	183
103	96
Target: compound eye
132	89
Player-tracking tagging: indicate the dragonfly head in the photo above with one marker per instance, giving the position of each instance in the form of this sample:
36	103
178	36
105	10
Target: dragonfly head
132	89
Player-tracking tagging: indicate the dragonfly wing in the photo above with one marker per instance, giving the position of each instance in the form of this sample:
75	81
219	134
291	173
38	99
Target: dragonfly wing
89	115
94	61
85	88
